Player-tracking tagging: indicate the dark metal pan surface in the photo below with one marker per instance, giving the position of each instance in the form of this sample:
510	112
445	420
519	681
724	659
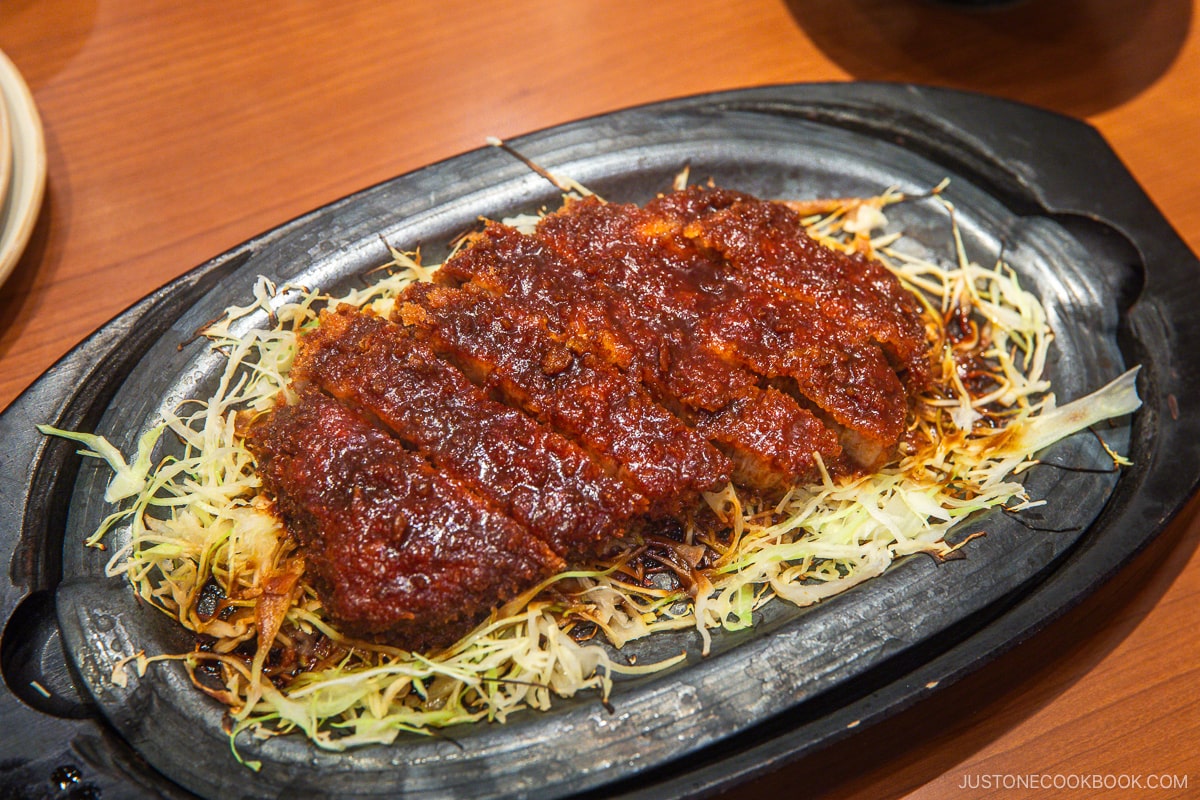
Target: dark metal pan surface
1044	190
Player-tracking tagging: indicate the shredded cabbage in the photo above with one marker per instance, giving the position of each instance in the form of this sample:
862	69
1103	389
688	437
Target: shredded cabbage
198	528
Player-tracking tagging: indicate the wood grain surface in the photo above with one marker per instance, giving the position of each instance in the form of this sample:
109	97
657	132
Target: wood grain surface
177	130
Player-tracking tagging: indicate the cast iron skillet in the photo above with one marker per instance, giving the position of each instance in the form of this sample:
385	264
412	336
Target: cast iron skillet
1042	190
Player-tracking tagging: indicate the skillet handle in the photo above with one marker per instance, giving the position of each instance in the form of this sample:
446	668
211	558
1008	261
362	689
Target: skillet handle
50	737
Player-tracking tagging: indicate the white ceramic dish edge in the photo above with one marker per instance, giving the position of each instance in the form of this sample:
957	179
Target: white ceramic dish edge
27	183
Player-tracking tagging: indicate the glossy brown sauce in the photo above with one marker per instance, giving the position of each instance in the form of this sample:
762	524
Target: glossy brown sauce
574	386
393	545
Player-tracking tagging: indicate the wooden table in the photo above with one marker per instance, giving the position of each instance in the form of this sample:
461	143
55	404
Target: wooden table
177	130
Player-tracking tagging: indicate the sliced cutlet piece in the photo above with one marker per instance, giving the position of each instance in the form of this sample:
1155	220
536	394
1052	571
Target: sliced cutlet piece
396	549
772	457
766	243
591	316
502	346
536	476
851	382
587	315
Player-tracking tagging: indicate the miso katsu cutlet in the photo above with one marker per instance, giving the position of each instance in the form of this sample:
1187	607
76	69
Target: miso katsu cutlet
551	394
